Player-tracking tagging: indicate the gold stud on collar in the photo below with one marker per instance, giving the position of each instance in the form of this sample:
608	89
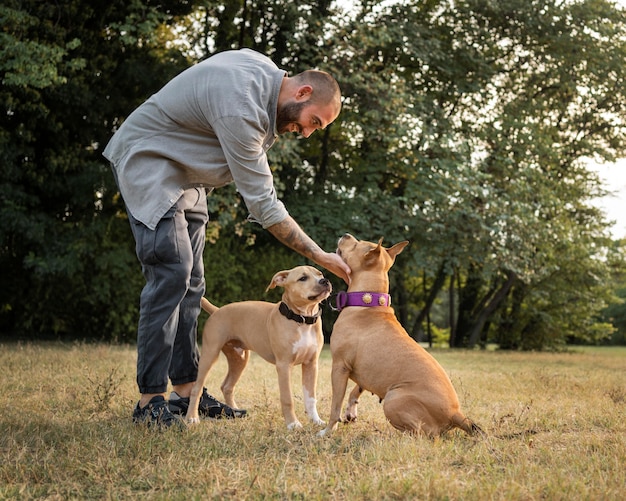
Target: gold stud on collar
367	298
382	301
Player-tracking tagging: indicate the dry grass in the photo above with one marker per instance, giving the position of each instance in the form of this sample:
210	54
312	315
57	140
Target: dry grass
555	423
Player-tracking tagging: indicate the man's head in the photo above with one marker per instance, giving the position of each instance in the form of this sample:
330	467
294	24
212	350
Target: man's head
308	101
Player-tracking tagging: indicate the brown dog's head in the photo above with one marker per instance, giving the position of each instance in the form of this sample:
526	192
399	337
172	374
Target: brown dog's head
368	261
304	286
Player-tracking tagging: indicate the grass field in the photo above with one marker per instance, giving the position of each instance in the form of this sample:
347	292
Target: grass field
556	426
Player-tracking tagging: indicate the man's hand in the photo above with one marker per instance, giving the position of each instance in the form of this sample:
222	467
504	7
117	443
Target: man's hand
333	263
289	233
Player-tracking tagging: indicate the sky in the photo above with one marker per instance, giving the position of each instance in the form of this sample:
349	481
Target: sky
614	205
614	176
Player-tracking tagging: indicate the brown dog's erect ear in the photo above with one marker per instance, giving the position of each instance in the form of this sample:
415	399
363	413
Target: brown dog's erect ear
397	249
278	280
371	255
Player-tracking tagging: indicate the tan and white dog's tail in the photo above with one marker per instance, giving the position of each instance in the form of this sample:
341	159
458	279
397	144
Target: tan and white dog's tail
467	425
208	306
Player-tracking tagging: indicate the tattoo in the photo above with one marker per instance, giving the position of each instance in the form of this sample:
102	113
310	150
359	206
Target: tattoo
290	234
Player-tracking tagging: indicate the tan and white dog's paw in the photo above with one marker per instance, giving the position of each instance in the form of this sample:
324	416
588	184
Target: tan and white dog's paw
322	433
294	426
318	421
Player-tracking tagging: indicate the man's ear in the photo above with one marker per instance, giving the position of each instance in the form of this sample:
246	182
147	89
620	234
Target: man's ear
304	92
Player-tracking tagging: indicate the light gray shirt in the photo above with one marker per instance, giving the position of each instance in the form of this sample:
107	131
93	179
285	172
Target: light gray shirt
209	126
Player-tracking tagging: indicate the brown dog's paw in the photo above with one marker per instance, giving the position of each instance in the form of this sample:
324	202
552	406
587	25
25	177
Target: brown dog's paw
351	412
350	417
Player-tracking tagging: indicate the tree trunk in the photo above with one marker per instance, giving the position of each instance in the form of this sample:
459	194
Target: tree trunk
434	290
469	296
451	301
485	313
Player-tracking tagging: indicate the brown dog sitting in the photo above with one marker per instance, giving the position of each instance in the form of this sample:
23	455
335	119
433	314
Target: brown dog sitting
369	346
285	334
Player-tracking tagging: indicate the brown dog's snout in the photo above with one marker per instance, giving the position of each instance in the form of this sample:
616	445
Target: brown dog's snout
343	237
324	282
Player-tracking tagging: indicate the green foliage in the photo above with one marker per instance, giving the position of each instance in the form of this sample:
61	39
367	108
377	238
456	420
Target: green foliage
68	77
615	313
465	129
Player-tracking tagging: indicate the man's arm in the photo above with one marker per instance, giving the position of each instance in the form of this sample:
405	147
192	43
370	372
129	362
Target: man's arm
289	233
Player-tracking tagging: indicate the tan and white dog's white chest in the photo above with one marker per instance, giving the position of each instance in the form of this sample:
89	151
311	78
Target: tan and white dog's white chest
305	345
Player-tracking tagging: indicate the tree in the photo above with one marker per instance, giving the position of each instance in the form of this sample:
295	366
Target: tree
506	101
69	71
465	128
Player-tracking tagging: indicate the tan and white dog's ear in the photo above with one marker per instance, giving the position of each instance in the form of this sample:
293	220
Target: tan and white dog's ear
278	280
397	249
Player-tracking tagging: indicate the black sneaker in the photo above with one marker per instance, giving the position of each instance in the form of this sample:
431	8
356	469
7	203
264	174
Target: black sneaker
156	413
209	407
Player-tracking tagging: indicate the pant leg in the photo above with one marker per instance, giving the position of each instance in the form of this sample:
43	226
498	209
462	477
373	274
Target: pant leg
167	261
184	364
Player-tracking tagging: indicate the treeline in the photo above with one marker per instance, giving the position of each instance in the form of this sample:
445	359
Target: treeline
466	129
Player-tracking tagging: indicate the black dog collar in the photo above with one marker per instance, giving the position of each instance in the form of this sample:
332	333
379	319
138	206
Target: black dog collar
284	309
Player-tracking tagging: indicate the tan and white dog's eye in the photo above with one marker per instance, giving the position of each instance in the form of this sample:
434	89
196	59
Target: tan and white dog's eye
303	279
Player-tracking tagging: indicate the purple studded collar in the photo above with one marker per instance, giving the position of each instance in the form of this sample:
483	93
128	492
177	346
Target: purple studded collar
362	299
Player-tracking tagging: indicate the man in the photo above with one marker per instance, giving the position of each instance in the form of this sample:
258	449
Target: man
209	126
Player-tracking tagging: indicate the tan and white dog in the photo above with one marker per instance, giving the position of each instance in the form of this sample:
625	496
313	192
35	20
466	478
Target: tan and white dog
369	346
285	334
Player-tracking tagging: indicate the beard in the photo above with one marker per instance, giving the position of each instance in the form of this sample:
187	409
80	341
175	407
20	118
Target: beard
287	115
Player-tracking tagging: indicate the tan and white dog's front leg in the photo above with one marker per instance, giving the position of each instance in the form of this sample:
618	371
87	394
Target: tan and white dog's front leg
208	357
286	396
309	384
339	383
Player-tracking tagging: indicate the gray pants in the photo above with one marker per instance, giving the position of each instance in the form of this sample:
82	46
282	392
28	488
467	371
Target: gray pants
171	261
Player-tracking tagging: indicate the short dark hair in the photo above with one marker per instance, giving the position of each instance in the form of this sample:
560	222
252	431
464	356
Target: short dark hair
325	88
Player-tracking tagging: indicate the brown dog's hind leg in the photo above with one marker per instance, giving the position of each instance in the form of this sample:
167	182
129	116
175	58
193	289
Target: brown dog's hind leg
353	400
467	425
237	358
407	413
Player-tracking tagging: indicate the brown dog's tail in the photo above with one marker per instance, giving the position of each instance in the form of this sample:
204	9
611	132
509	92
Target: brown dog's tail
207	306
467	425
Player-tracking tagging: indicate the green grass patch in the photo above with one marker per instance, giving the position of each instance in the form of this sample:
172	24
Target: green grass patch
555	423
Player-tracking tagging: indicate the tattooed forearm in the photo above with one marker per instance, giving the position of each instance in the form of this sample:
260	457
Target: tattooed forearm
289	233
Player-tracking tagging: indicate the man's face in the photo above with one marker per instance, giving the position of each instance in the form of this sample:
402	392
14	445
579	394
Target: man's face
303	117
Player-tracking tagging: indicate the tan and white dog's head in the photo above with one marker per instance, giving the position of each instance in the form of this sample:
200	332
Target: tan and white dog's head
304	286
367	259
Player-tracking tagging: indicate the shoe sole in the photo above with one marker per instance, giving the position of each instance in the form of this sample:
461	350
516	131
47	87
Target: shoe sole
221	414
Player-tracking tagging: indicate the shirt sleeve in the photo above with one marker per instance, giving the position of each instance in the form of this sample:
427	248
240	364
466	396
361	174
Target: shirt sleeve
243	144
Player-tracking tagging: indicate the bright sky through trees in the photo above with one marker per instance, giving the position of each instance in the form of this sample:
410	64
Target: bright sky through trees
614	204
613	175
